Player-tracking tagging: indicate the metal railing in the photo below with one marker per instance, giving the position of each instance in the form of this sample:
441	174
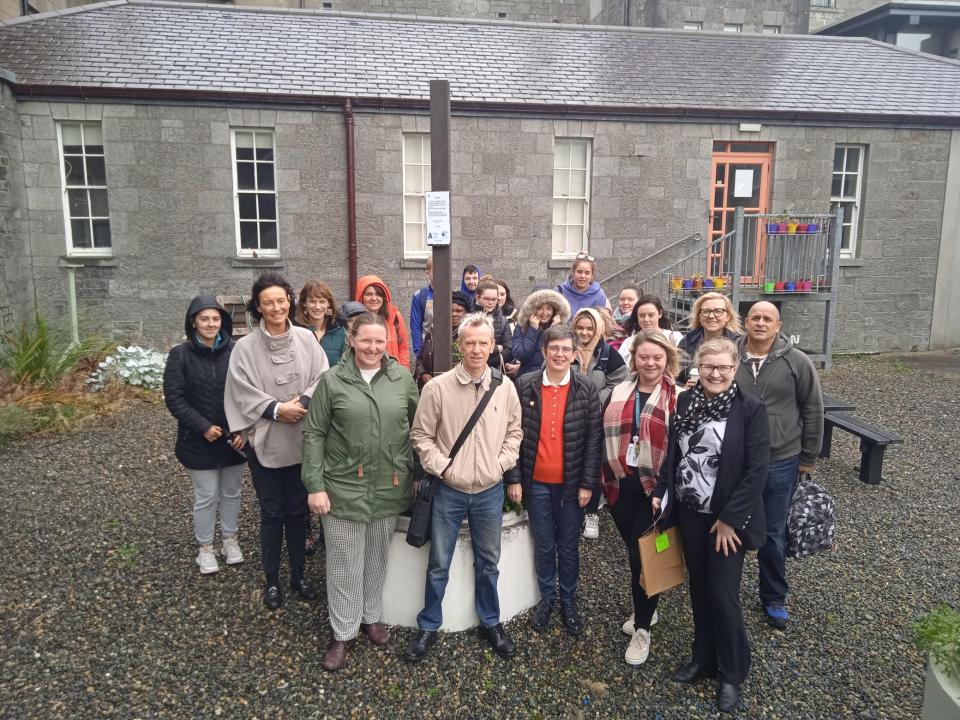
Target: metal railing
685	241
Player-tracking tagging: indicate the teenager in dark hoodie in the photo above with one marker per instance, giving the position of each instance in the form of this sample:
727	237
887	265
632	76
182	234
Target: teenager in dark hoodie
193	383
469	279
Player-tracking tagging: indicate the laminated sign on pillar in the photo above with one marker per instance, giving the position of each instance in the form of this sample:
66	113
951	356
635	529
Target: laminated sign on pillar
438	217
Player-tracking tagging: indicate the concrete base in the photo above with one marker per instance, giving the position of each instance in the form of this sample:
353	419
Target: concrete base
941	697
407	570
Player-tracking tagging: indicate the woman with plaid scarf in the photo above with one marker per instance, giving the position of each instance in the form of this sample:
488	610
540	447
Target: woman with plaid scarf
636	425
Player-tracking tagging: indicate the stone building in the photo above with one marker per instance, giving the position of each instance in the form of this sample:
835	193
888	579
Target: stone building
143	165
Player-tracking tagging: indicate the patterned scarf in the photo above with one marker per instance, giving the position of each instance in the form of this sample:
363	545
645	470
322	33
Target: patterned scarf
653	434
703	409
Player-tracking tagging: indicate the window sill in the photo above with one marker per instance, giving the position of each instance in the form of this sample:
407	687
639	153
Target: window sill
564	263
257	262
106	260
851	262
414	263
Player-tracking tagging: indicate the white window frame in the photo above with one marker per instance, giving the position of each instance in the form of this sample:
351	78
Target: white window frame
691	25
733	27
413	227
563	201
86	187
257	251
851	203
772	30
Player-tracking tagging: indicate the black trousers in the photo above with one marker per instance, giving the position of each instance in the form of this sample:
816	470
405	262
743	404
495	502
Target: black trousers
719	637
283	507
633	514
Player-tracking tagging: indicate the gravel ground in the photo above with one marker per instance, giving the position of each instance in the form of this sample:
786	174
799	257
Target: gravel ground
105	616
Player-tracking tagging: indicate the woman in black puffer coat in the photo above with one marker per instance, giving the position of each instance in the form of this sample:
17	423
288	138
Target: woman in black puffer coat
193	383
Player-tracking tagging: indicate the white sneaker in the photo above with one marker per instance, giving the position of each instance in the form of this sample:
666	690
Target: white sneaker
231	551
628	628
638	649
207	560
591	526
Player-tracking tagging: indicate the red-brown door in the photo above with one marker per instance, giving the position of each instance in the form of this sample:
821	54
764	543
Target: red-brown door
741	178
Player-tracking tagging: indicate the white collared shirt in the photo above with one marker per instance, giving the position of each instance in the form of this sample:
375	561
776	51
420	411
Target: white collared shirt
563	381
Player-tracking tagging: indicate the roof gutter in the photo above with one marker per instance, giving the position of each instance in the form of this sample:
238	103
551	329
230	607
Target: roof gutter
603	112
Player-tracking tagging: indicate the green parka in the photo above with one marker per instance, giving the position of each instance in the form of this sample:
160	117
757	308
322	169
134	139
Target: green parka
356	444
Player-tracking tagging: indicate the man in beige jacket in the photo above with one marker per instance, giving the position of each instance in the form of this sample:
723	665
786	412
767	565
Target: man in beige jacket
472	484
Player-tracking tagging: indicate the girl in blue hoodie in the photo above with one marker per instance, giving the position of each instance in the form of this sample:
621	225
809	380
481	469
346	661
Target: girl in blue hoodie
580	289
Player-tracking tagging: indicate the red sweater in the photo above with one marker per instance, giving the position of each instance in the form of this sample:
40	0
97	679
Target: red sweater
548	467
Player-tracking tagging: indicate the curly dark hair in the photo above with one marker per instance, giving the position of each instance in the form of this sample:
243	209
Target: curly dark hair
269	280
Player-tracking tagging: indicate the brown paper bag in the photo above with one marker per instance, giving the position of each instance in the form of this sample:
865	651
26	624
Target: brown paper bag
661	561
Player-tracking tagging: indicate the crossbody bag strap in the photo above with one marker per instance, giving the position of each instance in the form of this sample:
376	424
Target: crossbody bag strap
496	377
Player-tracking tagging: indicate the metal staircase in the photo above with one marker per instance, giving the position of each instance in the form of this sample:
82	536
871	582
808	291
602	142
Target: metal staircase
764	257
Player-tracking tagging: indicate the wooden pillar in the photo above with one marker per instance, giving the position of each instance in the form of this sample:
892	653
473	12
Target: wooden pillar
440	180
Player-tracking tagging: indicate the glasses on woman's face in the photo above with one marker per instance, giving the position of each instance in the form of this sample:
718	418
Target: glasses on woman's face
722	369
560	349
712	312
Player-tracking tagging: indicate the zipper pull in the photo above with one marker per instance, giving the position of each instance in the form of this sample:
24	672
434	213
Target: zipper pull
396	480
360	471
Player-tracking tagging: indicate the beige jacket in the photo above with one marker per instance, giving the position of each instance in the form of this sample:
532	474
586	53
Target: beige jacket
493	446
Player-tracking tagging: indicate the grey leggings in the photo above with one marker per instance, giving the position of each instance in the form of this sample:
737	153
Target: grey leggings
212	489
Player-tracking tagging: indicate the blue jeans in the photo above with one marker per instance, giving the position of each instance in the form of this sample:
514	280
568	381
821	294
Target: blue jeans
484	511
555	523
772	557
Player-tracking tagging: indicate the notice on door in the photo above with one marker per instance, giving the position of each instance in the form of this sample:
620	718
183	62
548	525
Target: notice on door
743	183
438	217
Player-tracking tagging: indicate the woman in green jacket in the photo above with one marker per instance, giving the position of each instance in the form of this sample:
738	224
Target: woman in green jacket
358	470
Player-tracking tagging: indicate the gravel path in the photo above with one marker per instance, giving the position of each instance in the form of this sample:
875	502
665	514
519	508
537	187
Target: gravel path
105	616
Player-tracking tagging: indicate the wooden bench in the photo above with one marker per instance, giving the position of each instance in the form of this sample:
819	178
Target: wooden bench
873	443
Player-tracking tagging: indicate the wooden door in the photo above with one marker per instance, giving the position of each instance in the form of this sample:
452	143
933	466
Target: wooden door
741	178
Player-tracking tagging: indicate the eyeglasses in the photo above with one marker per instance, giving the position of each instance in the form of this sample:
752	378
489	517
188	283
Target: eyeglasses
585	256
718	312
722	369
561	349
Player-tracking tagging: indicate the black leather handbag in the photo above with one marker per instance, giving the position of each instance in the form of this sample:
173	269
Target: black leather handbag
421	514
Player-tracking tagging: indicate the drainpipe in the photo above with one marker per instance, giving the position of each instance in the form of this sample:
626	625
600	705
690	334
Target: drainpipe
351	200
72	303
24	7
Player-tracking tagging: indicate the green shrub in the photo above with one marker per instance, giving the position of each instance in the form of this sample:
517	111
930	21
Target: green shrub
39	354
938	633
133	365
14	422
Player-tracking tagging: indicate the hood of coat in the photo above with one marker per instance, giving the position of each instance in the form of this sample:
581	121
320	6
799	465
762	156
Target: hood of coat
463	286
593	290
205	302
540	297
781	345
368	280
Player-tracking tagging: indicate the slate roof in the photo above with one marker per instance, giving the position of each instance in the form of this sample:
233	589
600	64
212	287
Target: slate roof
139	48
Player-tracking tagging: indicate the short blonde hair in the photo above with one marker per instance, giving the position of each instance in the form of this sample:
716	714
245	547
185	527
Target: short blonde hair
733	317
718	346
657	338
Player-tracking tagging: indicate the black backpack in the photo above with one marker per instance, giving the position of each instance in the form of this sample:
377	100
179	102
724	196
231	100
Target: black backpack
811	519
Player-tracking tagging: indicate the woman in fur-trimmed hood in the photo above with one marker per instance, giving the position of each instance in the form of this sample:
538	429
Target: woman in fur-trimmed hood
540	310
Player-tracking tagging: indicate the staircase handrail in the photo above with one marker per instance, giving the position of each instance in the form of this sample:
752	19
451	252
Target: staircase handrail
686	258
688	238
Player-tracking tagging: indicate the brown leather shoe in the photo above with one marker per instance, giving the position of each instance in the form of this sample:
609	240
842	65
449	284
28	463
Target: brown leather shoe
378	634
336	655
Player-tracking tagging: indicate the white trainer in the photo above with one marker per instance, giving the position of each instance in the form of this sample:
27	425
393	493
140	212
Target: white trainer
628	628
207	560
638	649
231	551
591	526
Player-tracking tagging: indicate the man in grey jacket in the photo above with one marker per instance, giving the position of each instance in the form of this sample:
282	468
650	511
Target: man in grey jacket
784	378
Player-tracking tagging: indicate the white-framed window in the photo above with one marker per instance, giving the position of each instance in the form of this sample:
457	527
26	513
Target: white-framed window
821	3
255	192
83	173
771	30
846	191
416	182
693	26
732	27
571	195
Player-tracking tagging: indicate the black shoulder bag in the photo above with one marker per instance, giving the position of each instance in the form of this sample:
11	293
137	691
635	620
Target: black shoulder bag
421	513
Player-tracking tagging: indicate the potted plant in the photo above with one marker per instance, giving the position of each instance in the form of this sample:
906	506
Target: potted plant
773	226
708	283
778	286
769	286
938	634
718	282
698	281
812	228
791	226
676	282
802	227
688	283
790	286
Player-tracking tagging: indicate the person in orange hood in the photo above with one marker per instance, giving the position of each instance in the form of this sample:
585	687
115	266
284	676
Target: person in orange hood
375	296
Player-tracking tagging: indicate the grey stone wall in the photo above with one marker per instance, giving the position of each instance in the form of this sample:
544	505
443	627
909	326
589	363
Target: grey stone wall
169	173
15	287
790	15
567	11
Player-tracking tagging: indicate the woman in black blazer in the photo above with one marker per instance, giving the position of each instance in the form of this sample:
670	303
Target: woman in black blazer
711	487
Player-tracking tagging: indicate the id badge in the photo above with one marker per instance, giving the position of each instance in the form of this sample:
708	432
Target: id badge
632	459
